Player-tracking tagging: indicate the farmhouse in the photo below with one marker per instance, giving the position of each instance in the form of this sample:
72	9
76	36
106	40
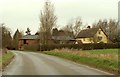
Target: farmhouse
92	35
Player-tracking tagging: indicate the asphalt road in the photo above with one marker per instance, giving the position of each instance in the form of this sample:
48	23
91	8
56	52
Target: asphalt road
29	63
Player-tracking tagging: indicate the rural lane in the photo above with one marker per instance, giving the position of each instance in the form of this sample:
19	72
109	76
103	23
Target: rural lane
30	63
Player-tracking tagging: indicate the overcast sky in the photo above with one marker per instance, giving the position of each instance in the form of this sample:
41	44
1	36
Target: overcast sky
25	13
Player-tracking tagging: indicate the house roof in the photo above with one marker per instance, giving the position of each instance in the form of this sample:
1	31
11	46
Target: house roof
62	35
30	37
87	33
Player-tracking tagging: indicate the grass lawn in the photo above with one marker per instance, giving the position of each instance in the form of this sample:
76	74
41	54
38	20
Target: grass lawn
105	51
0	62
91	57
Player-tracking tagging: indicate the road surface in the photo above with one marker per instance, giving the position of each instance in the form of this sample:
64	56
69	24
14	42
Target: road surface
29	63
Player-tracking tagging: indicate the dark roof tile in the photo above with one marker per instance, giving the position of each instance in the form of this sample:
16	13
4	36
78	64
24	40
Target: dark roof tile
87	33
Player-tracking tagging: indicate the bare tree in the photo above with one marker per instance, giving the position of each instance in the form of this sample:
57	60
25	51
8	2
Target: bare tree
112	29
69	27
47	22
74	27
94	25
109	27
77	26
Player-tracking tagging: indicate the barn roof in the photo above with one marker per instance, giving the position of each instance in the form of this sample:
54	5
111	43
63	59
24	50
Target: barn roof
29	37
87	33
33	37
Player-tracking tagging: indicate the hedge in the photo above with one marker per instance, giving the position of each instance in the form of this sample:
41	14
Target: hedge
70	46
79	46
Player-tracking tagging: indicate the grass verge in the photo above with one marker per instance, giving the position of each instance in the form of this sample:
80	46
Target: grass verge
6	59
102	64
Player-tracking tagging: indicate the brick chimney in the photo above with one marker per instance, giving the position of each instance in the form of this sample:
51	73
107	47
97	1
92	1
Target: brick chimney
88	27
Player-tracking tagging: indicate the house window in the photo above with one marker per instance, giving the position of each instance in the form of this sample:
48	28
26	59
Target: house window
83	39
76	42
90	39
25	41
99	38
